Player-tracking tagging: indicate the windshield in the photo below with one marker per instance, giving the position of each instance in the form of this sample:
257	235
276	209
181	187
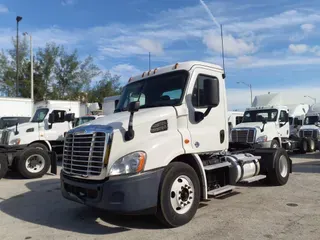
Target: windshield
7	122
40	114
83	120
311	120
258	115
163	90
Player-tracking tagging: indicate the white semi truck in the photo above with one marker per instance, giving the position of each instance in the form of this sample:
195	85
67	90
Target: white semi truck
297	114
44	131
166	153
310	131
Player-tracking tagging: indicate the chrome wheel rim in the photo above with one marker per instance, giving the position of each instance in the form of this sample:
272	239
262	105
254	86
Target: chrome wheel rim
182	194
35	163
283	166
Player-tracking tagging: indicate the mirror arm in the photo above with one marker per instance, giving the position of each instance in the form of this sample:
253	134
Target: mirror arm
207	111
129	135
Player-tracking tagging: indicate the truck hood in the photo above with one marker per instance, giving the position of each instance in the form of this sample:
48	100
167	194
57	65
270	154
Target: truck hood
256	125
23	127
121	120
309	127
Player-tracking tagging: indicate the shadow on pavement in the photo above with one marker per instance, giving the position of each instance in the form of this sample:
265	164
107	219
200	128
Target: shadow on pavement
44	205
307	167
314	155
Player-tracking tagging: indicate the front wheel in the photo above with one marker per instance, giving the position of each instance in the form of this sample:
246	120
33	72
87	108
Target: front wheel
33	163
179	195
311	145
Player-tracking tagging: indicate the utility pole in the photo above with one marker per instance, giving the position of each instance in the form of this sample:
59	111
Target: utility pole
31	63
18	19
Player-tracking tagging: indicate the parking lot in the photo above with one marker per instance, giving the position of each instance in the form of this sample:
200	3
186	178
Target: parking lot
35	209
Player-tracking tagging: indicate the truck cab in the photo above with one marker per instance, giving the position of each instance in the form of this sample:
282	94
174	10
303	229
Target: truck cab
264	127
311	128
297	113
165	148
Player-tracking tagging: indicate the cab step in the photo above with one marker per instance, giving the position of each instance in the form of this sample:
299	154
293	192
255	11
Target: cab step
221	190
253	179
216	166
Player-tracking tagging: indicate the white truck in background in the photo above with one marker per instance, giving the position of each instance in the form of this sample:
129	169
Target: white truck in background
109	104
44	131
310	131
165	151
297	114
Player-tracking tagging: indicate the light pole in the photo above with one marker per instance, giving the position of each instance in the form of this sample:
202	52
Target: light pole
249	85
18	19
31	63
314	99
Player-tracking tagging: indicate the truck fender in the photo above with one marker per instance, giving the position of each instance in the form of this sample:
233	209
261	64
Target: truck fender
195	162
268	158
43	142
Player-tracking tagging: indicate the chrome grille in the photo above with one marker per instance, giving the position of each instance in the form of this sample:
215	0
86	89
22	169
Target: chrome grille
243	135
83	154
307	133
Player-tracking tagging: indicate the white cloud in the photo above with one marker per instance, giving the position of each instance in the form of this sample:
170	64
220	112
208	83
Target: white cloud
125	71
3	8
308	27
151	46
298	48
232	46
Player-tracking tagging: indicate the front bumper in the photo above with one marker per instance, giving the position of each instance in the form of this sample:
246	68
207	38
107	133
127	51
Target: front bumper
126	194
266	144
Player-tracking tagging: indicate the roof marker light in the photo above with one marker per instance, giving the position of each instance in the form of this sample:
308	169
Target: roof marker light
149	72
130	79
155	70
143	74
175	66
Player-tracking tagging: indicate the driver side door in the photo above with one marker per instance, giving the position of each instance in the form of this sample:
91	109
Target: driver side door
283	124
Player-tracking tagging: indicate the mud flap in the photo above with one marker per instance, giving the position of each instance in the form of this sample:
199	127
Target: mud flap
53	158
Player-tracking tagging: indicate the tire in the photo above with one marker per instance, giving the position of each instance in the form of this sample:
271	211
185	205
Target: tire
304	146
311	145
279	174
33	156
275	143
39	146
3	166
178	176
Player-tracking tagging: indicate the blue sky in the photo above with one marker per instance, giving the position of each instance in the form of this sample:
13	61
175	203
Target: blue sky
275	46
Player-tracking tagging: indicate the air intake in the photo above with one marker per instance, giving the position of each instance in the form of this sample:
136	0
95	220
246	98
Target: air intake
159	126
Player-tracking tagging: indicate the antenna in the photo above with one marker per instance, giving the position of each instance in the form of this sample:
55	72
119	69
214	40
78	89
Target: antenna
222	48
149	62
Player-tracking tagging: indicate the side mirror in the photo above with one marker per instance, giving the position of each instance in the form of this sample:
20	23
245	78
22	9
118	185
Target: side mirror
134	106
286	117
211	92
69	117
51	118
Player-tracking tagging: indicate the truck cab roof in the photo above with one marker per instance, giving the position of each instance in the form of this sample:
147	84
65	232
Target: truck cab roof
170	68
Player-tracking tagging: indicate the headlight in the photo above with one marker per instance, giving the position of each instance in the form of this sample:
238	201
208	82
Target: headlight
263	138
15	141
131	163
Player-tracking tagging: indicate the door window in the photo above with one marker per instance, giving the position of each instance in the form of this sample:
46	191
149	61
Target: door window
198	91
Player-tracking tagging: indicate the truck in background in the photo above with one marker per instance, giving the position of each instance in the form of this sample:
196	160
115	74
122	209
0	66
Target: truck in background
297	114
109	104
16	107
265	124
44	131
166	150
310	131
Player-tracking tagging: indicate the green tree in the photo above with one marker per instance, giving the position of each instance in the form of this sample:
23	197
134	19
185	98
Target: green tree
108	85
47	58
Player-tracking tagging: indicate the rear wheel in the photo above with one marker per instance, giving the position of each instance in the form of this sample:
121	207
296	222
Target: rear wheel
33	163
279	174
3	166
179	195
